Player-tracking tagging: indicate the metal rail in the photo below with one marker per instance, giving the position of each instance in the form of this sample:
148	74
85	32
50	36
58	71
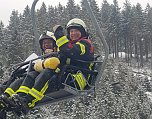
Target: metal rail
35	27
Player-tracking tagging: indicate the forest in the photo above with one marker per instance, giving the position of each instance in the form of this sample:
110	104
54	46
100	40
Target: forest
128	32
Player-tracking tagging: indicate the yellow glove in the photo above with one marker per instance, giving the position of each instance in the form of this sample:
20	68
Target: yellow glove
38	66
51	63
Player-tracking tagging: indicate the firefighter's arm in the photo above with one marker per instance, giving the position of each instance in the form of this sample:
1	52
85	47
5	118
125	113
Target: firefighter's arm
79	48
61	39
50	63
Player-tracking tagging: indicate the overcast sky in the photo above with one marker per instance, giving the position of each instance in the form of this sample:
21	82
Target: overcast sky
7	6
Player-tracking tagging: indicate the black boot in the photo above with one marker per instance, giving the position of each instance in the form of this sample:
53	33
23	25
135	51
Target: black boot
3	114
3	104
22	104
6	103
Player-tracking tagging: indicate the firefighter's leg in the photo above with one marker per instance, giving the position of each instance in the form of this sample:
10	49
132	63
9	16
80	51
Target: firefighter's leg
25	103
5	101
36	93
13	87
27	83
40	87
20	86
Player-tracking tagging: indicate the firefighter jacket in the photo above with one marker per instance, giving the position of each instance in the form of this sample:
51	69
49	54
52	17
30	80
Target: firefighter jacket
73	51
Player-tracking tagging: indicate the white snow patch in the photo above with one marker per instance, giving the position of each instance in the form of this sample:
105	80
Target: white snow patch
149	95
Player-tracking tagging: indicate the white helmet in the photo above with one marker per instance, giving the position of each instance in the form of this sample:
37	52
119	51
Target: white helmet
77	23
47	35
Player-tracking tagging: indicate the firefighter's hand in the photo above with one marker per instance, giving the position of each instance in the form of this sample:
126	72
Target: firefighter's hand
38	66
58	31
51	63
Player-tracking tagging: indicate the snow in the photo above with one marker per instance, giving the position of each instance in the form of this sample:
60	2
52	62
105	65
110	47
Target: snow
121	54
149	95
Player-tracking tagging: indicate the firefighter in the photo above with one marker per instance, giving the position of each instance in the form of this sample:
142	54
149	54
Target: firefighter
21	86
73	47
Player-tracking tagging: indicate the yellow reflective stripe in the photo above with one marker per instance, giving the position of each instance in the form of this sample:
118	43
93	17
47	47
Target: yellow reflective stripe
33	103
58	49
80	80
44	88
82	47
35	93
68	61
38	95
90	67
57	70
9	91
23	89
61	41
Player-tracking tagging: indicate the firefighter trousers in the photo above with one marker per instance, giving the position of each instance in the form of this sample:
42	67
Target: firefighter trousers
28	81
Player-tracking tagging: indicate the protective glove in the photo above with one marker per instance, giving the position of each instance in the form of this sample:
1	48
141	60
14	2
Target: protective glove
58	31
51	63
61	39
38	66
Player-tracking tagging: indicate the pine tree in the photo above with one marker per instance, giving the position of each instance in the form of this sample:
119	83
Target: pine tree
52	17
42	19
26	33
148	30
114	29
26	21
139	32
2	49
71	9
13	43
127	31
62	16
105	11
14	22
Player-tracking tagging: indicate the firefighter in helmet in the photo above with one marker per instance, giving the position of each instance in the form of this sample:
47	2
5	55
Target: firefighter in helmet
73	47
22	86
47	42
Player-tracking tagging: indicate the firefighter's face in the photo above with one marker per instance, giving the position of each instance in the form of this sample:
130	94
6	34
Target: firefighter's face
47	44
75	34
